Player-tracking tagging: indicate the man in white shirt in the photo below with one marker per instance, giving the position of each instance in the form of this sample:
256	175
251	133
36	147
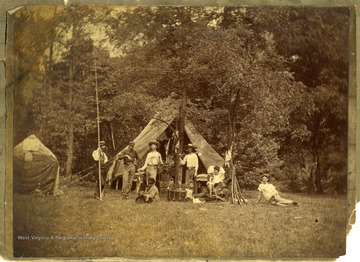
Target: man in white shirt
216	176
152	162
192	164
269	192
151	193
100	154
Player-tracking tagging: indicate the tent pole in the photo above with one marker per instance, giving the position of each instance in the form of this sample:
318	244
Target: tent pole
181	144
98	128
182	121
233	194
177	157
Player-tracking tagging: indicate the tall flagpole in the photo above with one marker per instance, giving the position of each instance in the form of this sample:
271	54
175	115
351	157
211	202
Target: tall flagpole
98	128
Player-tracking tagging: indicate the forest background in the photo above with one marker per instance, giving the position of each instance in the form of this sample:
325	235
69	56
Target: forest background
277	77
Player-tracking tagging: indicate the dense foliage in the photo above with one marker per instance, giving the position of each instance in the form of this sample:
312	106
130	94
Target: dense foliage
256	78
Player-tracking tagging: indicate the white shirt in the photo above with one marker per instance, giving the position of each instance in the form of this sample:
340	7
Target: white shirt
219	177
153	158
191	160
268	190
96	154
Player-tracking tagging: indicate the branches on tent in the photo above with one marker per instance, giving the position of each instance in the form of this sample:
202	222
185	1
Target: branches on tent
172	129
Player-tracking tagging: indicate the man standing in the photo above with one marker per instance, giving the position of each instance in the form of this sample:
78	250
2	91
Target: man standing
97	155
130	157
152	162
192	164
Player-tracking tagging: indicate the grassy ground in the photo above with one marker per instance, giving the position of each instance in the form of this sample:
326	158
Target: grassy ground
315	229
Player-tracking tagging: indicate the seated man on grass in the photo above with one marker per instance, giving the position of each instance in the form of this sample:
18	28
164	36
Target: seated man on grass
269	192
151	193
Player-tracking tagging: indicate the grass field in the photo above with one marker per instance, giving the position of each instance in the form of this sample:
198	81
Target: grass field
76	221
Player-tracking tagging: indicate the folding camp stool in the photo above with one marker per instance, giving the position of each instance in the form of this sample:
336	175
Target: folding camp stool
212	193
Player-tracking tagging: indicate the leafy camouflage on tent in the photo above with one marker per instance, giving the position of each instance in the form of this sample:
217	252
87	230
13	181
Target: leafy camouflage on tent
156	129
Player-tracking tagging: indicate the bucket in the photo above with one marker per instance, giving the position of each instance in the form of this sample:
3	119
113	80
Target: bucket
163	185
164	177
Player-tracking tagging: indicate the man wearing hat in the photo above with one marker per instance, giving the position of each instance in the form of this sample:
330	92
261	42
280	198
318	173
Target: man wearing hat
130	157
152	162
100	154
192	164
216	176
269	192
151	193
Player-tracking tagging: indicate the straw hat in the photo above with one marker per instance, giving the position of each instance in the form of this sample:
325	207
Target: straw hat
154	142
191	146
265	175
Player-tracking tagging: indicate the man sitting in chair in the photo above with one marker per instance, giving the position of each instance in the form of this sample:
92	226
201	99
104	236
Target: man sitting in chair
215	184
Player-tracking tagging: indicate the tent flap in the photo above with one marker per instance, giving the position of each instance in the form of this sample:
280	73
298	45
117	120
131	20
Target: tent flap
152	131
207	155
156	128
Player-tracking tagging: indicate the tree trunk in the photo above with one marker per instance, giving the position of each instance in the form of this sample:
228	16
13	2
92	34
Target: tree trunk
70	150
230	141
70	144
311	186
52	37
83	164
232	111
316	174
112	136
318	184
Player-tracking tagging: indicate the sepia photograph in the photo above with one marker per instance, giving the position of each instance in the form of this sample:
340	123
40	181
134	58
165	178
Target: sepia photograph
180	131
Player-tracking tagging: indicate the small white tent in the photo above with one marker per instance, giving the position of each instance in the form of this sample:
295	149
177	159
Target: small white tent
35	167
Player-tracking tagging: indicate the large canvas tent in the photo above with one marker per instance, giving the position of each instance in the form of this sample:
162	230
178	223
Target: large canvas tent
35	167
157	129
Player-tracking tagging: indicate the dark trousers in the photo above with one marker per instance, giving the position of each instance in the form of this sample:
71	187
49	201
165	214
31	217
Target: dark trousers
142	199
127	178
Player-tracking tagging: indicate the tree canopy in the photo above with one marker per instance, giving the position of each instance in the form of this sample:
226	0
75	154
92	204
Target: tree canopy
258	78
